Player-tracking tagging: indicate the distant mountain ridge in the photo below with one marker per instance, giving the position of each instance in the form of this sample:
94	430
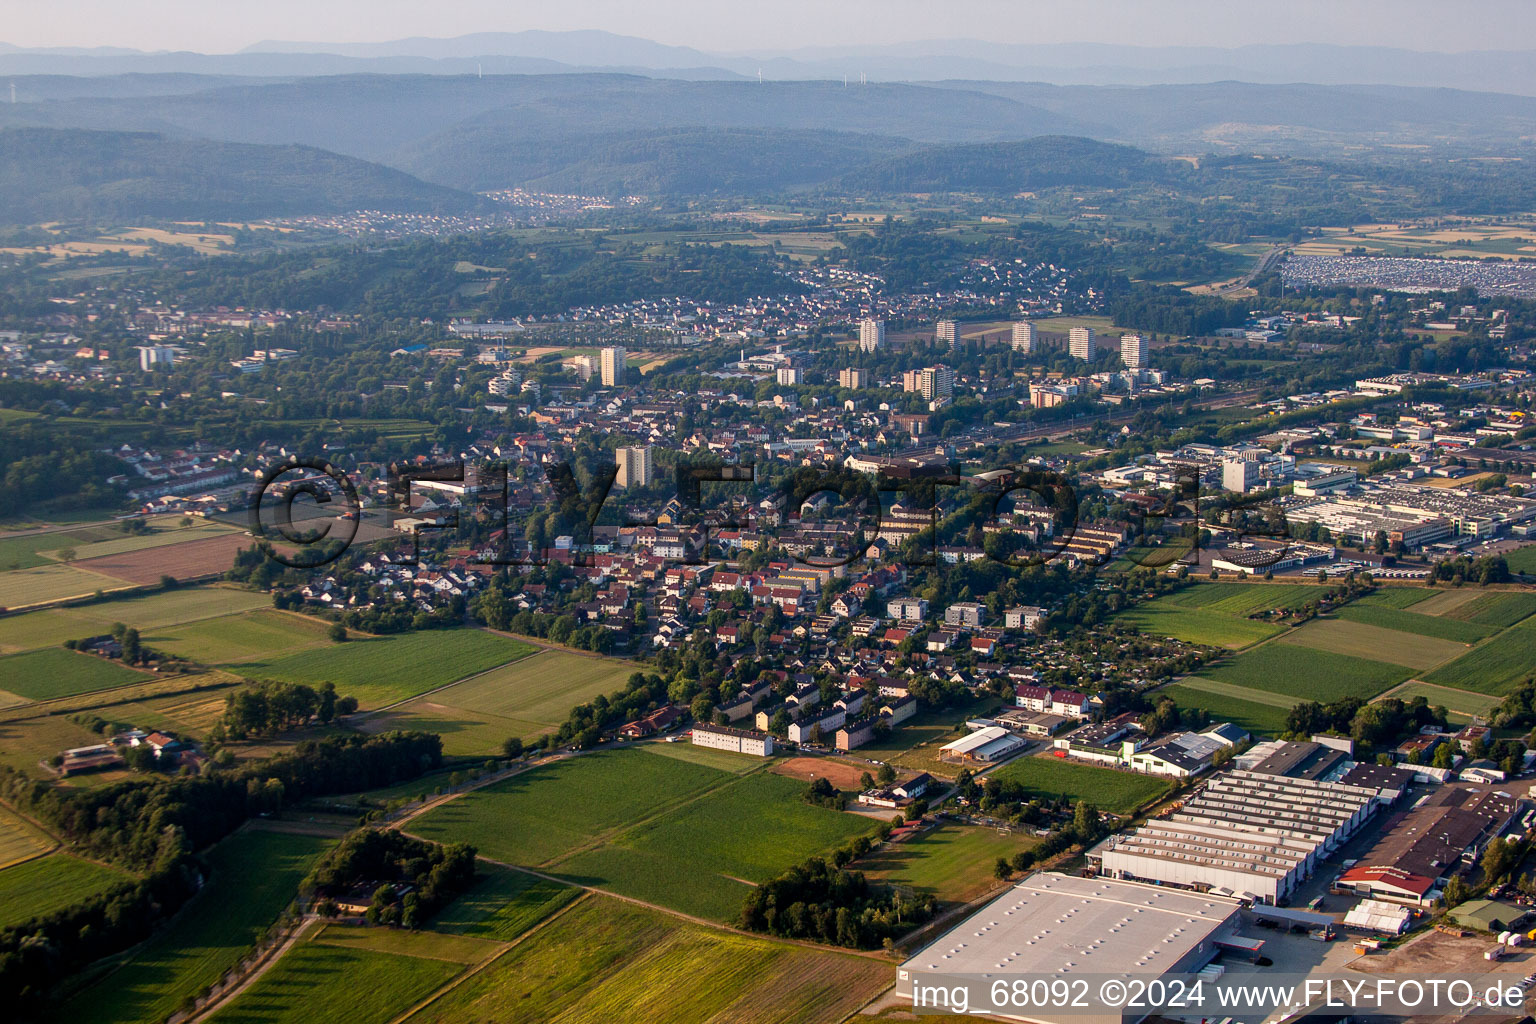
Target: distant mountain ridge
52	174
1493	70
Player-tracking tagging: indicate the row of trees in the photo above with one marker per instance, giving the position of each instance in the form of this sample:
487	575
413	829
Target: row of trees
270	706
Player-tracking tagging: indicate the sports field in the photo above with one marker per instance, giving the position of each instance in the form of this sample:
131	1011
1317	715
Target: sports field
379	671
55	672
953	863
604	960
1105	788
527	698
1306	673
1251	711
1497	666
1359	639
45	884
255	875
52	626
545	813
700	859
503	904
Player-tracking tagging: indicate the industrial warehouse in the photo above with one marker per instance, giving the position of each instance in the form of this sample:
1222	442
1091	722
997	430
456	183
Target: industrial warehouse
1063	924
1247	834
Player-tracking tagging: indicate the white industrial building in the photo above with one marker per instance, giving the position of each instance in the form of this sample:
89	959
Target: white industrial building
1063	925
1256	835
984	746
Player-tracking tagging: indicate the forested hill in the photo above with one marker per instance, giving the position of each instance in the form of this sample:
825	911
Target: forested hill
1048	161
49	174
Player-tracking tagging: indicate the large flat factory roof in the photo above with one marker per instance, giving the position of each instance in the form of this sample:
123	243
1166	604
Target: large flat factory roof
1064	924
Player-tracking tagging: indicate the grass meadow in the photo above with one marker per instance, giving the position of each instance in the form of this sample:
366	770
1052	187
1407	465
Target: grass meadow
1106	788
317	981
147	613
502	904
55	672
1362	640
384	670
1305	673
1496	666
45	884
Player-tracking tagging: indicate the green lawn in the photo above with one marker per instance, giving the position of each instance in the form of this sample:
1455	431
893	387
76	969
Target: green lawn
610	961
255	875
52	626
503	904
527	698
953	863
50	883
1522	559
1307	674
1106	788
55	672
1442	626
321	982
542	814
1254	716
379	671
1496	667
700	857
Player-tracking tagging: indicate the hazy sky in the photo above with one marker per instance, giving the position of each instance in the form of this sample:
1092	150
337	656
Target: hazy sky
734	25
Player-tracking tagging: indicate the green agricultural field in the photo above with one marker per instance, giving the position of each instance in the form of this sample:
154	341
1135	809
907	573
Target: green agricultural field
431	945
1305	673
1359	639
541	814
736	764
26	551
1440	626
503	904
255	875
44	675
604	960
952	863
322	982
19	840
1495	667
22	587
1197	626
1241	599
1448	600
1395	597
50	883
1255	716
1496	610
52	626
384	670
244	637
1106	788
698	858
527	698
